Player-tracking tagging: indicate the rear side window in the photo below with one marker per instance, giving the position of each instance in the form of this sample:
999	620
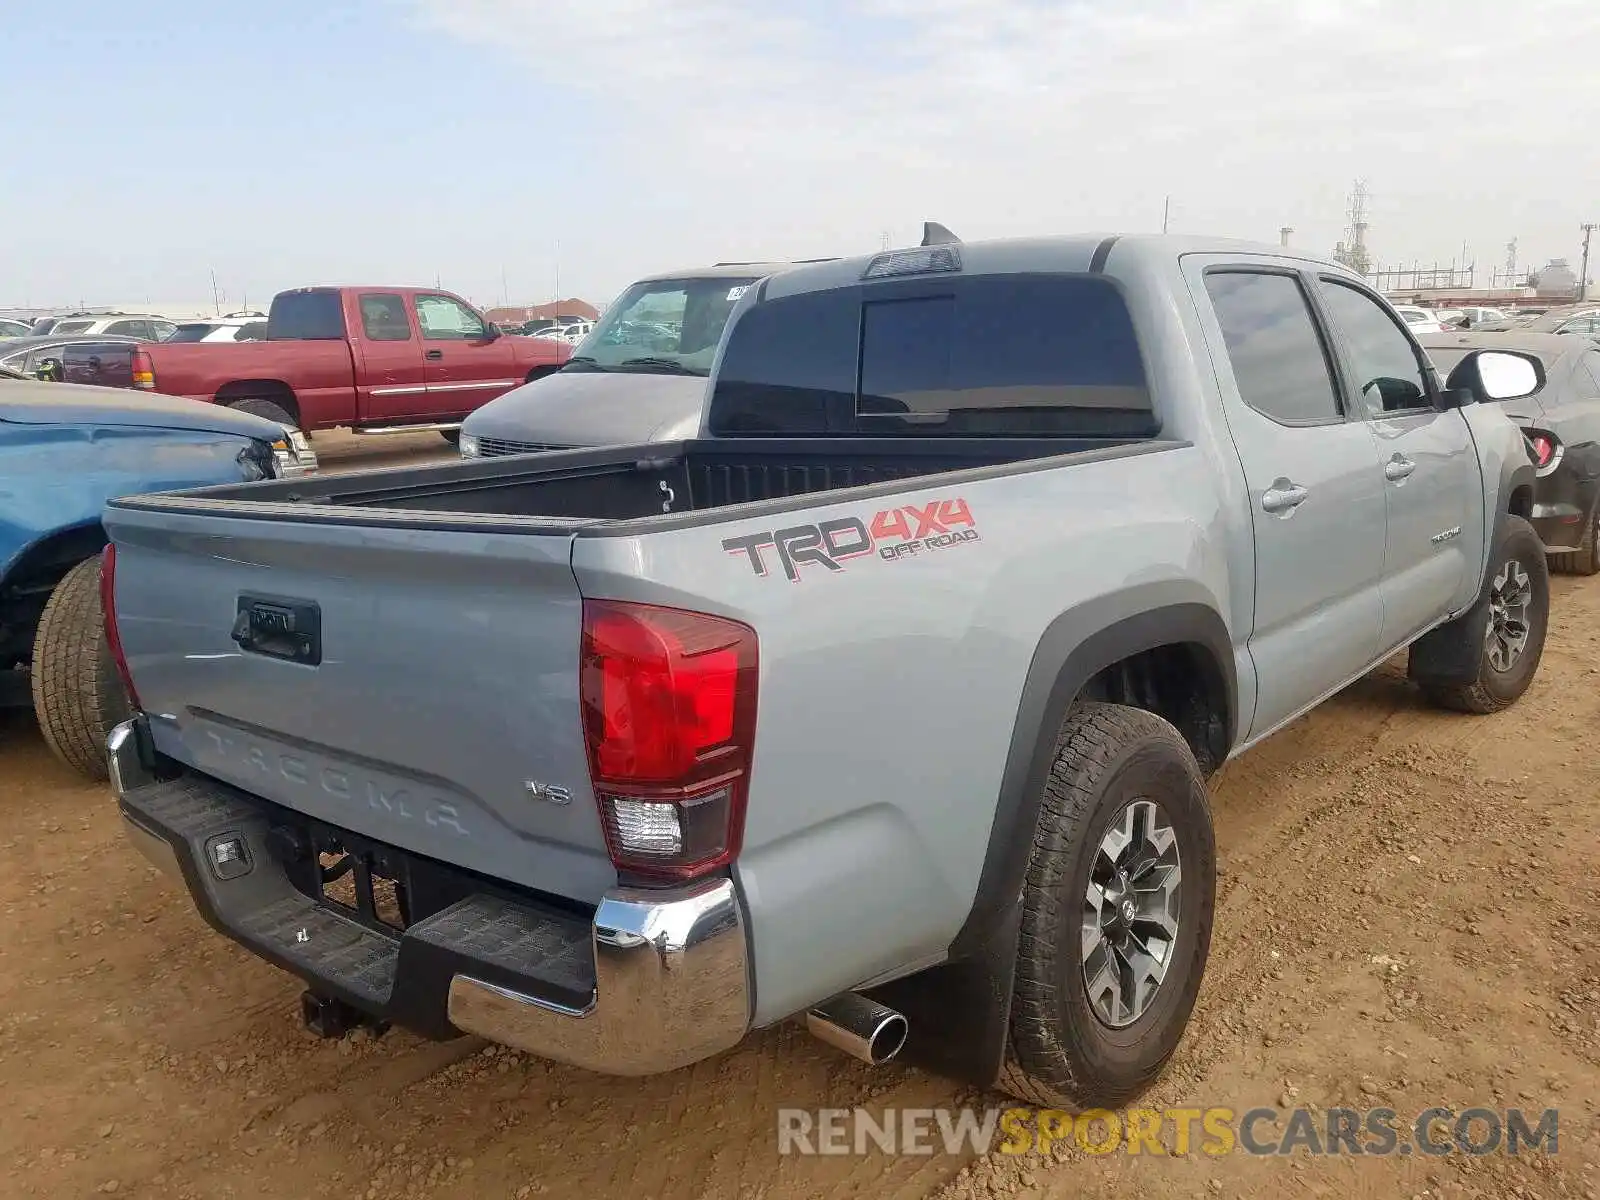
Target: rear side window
306	316
71	326
1278	360
191	333
1014	355
383	318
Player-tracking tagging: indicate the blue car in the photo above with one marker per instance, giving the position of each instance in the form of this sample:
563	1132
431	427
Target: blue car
64	451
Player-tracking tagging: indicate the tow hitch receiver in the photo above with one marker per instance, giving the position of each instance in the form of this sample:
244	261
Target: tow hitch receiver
330	1018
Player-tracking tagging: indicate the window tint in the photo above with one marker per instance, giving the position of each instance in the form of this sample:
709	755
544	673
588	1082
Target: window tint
383	318
162	330
789	363
1278	360
306	316
442	318
71	326
191	333
1012	355
1387	374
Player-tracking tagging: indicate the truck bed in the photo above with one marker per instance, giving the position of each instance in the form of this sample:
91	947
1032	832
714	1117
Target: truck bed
569	490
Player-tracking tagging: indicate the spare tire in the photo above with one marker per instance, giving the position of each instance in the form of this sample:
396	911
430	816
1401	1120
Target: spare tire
77	695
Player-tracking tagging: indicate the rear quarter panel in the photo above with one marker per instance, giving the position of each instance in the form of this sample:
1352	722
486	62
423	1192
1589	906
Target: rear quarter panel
321	374
889	688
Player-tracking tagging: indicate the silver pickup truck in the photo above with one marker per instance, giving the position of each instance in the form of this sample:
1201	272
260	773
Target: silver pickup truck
889	701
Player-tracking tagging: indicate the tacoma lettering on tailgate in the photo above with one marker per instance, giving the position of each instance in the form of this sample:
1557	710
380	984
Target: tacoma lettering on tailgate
894	533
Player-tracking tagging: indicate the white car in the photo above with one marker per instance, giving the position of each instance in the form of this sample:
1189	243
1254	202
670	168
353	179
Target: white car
235	327
1420	319
12	328
143	326
573	333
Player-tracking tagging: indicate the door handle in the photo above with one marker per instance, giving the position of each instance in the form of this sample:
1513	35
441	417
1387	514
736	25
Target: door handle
434	355
1397	468
1283	496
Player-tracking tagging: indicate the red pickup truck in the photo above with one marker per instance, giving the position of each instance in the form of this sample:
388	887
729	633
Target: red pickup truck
374	359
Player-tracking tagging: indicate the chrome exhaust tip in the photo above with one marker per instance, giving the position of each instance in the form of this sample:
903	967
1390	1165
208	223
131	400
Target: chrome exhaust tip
860	1027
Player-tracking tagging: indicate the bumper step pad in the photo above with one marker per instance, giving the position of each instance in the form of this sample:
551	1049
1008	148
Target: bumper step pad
404	978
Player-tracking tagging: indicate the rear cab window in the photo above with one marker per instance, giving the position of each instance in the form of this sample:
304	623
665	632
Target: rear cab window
307	316
984	355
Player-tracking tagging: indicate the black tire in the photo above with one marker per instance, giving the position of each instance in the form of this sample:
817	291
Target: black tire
1467	636
453	436
1060	1051
270	409
77	694
1586	560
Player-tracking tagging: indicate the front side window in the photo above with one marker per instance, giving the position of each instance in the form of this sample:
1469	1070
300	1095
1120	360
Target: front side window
1387	374
1279	364
444	319
384	319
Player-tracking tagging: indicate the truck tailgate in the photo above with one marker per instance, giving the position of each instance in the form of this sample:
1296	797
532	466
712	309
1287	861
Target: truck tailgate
426	697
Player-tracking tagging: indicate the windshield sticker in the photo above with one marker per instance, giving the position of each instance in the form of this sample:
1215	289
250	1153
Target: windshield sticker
735	292
893	535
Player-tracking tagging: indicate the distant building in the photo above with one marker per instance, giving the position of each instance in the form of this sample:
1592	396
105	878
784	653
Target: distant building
575	310
1556	280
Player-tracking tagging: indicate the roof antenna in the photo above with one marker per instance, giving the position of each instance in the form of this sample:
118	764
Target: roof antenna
935	234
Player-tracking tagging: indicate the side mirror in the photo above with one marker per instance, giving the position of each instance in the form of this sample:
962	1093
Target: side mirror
1497	375
491	331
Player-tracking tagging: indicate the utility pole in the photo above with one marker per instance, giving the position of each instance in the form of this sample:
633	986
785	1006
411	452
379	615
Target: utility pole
1583	275
216	300
1283	235
1166	213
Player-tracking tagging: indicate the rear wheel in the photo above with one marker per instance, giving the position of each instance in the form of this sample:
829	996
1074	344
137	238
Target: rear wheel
1118	899
1503	633
257	406
77	695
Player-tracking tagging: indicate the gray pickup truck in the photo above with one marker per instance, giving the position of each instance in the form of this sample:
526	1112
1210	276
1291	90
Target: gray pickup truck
888	701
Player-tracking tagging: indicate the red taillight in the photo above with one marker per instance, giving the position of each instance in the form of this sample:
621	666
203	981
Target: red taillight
1544	449
144	371
108	612
669	715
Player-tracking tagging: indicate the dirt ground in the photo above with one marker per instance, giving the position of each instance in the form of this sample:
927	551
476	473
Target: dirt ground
1407	917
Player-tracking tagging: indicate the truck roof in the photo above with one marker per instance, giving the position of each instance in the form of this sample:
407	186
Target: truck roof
1066	253
724	270
391	288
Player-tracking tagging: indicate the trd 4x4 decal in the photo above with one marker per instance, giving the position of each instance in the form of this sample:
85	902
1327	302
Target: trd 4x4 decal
894	533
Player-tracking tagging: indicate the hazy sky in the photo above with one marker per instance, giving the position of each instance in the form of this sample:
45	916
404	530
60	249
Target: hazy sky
300	141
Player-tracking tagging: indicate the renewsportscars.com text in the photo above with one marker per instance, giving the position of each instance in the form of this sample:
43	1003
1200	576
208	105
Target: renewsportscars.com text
1213	1131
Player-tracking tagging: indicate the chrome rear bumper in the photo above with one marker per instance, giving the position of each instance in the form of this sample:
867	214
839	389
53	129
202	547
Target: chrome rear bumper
665	983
